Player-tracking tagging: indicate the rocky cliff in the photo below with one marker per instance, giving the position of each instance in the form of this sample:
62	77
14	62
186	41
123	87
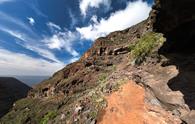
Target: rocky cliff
141	75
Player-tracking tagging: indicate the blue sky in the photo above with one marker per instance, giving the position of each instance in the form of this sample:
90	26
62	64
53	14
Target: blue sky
39	37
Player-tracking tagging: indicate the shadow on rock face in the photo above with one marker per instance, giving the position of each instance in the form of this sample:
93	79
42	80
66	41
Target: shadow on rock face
185	80
180	51
11	90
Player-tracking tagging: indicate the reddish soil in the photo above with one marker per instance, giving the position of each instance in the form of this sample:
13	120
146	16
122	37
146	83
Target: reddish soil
127	106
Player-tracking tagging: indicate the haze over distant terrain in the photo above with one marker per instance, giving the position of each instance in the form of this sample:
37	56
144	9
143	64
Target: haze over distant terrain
31	80
28	80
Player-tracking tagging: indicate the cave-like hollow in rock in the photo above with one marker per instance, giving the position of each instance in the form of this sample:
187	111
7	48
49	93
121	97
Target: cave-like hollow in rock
179	49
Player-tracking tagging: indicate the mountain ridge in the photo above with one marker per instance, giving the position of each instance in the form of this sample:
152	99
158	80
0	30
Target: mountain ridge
11	90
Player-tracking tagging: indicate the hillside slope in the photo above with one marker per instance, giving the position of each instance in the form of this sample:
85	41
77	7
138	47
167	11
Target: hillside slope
11	90
141	75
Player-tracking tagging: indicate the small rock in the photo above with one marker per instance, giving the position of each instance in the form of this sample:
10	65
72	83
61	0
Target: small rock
99	100
27	109
176	112
93	122
77	109
62	116
155	102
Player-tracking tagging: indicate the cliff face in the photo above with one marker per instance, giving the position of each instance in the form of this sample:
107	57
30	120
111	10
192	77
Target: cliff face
170	14
154	59
175	19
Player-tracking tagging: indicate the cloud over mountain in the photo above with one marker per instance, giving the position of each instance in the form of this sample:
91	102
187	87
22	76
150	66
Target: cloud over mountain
86	4
119	20
21	64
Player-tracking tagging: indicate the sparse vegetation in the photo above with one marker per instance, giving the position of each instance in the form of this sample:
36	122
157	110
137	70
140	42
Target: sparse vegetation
118	84
114	67
48	116
102	77
146	45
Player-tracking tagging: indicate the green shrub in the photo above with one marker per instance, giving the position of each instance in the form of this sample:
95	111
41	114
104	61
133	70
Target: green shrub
146	45
102	77
48	116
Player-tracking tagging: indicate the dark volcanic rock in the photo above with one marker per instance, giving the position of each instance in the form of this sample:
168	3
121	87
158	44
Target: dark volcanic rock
169	14
11	90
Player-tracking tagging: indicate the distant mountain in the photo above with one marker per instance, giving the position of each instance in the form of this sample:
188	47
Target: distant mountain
11	90
31	80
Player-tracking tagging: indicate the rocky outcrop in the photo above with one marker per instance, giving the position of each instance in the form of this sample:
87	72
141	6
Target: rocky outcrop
11	90
169	14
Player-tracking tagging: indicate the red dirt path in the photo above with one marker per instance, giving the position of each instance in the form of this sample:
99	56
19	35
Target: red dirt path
127	106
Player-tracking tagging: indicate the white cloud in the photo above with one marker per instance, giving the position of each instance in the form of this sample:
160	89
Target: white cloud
30	44
134	12
94	19
74	21
31	20
86	4
43	52
12	63
53	26
5	1
21	64
34	5
62	40
20	25
74	59
13	33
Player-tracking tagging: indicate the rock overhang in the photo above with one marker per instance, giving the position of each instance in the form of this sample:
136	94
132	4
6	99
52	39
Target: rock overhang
167	15
176	20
